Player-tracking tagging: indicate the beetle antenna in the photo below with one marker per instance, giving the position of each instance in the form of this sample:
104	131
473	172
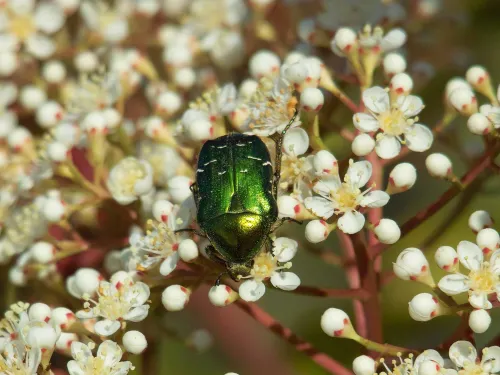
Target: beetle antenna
217	282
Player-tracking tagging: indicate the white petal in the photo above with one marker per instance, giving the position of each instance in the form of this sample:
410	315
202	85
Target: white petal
80	350
470	255
461	352
110	352
359	173
411	105
251	290
376	99
285	280
284	249
40	46
454	284
351	222
419	138
137	314
49	17
121	368
74	368
394	39
106	327
327	184
321	207
376	198
495	262
169	264
428	355
8	42
491	359
365	122
296	142
139	293
86	314
480	300
34	357
387	146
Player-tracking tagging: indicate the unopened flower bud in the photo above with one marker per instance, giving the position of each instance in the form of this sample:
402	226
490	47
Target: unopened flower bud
439	165
336	323
248	87
200	129
53	210
8	63
289	206
188	250
479	124
63	317
175	297
86	61
178	188
401	83
296	142
32	97
446	258
325	163
423	307
488	240
362	144
363	365
455	84
464	101
264	63
311	99
57	151
49	114
222	295
478	77
40	311
412	264
17	276
84	282
479	220
344	41
63	343
479	321
317	231
134	342
54	72
185	78
162	210
394	63
42	336
168	103
387	231
429	367
402	177
42	252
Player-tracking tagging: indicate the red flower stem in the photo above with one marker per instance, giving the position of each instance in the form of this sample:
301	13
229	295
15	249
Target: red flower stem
483	163
322	359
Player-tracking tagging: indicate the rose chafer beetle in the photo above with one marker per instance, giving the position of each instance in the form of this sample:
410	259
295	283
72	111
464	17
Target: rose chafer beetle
236	194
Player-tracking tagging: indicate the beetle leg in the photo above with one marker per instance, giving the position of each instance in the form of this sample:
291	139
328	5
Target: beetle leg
279	154
194	189
195	231
281	221
214	255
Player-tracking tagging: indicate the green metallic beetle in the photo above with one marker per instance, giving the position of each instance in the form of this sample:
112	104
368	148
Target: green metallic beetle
236	194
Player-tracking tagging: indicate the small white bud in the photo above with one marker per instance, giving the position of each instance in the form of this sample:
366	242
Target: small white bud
446	258
49	114
57	151
438	165
32	97
476	75
200	129
343	41
488	240
222	295
86	61
401	83
423	307
312	99
188	250
387	231
264	63
248	87
134	342
362	144
63	317
175	297
317	231
464	101
411	264
54	72
325	163
168	103
42	337
479	220
8	63
113	117
288	206
336	323
178	188
429	367
42	252
479	321
455	84
40	311
17	276
363	365
53	210
84	281
185	78
19	138
394	63
479	124
63	343
402	177
162	209
296	142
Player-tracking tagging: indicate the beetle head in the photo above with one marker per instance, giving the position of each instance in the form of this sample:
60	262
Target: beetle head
239	270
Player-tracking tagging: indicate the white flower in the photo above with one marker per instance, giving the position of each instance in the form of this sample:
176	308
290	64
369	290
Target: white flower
271	266
118	300
482	279
271	108
16	359
106	361
14	321
418	366
30	24
105	21
394	121
464	356
296	170
134	342
344	198
129	179
491	113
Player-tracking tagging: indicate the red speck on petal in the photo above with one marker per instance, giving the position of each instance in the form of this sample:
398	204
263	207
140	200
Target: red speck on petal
68	344
211	132
423	269
13	336
433	314
47	318
413	278
319	107
274	68
347	48
307	108
447	267
100	278
308	79
486	131
486	250
213	118
63	326
226	302
480	80
296	209
228	289
346	321
438	367
338	333
175	247
399	90
164	218
44	350
455	260
184	289
118	285
376	49
58	116
296	86
391	181
326	170
474	99
435	300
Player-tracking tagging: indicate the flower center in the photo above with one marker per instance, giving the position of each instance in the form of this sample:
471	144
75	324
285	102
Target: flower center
483	279
112	305
132	173
22	26
346	197
472	369
393	122
264	266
